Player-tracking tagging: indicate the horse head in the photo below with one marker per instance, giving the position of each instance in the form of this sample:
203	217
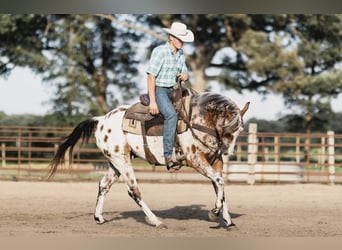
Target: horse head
224	116
233	127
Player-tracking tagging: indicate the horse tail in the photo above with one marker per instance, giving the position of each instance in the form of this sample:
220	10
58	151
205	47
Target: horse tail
83	130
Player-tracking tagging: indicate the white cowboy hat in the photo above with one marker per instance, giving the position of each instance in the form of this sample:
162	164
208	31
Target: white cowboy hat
180	31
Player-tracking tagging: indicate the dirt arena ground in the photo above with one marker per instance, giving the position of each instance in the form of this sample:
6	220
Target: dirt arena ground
54	209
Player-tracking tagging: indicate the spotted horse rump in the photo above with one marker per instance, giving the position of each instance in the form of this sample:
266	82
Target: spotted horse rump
213	125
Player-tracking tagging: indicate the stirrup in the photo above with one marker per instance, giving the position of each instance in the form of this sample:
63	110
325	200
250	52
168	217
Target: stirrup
173	165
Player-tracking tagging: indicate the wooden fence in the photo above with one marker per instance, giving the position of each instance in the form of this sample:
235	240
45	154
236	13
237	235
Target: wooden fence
286	157
259	158
27	151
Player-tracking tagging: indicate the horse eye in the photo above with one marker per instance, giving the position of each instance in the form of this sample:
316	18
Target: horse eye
228	135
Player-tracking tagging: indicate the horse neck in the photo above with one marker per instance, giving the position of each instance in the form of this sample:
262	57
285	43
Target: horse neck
215	112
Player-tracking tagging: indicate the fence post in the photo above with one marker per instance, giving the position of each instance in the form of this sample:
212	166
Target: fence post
3	154
331	156
297	149
321	155
276	149
18	144
252	152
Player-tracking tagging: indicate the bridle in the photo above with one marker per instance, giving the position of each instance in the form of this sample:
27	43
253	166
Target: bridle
217	151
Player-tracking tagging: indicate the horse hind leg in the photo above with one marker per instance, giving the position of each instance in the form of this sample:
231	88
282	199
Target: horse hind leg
134	193
104	186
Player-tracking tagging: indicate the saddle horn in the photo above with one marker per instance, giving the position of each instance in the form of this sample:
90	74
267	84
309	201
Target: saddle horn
244	109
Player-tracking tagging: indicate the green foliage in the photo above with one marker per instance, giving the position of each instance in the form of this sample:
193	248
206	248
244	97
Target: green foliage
296	124
267	126
22	42
22	120
300	62
85	57
93	61
92	57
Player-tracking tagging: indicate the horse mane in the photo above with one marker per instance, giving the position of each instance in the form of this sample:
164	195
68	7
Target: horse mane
213	102
213	106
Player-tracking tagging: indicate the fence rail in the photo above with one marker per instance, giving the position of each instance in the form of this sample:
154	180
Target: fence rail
259	158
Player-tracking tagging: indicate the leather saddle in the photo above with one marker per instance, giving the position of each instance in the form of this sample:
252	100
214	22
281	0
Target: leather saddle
138	120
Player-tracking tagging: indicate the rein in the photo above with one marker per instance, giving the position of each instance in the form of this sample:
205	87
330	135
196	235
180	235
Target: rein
213	132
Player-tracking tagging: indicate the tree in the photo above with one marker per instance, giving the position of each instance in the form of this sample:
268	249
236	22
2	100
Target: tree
289	54
89	56
88	59
299	62
320	49
91	62
22	42
220	46
335	123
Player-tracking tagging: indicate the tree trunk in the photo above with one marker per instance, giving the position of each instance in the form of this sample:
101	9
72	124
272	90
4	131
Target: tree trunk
71	69
308	121
101	93
198	63
199	83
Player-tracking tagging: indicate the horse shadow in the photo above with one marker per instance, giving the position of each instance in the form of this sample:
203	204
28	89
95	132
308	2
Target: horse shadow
196	212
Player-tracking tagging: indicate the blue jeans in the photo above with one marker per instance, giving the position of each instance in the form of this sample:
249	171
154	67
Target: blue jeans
166	108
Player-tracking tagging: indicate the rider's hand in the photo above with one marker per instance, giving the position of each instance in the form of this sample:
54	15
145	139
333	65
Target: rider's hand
183	76
153	108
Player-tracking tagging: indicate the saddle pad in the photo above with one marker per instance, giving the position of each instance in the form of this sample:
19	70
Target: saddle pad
154	125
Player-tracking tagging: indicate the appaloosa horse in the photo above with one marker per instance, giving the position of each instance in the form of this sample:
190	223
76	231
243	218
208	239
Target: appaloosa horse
214	123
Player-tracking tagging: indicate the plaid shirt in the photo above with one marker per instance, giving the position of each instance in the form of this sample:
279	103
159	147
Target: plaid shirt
165	66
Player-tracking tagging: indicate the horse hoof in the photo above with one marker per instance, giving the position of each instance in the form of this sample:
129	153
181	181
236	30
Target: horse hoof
231	226
99	221
161	226
212	216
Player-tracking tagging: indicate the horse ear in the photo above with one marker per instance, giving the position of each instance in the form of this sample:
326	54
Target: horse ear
245	108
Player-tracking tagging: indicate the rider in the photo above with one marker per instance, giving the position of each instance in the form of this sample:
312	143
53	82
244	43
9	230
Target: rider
167	64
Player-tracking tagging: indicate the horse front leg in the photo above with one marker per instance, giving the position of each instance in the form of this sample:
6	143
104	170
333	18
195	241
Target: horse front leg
104	186
220	204
214	213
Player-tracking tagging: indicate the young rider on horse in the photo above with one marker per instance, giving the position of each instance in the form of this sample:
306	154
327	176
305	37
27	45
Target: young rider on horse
167	64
